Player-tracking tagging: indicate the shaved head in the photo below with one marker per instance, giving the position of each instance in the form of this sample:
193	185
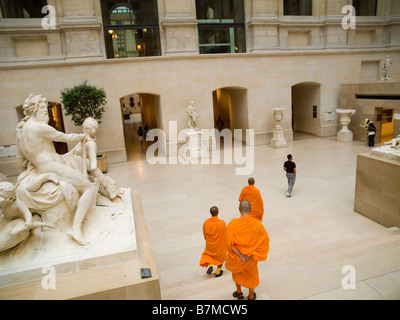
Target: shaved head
245	207
214	211
251	181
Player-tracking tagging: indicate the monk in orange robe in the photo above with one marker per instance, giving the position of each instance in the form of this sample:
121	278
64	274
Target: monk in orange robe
253	195
214	231
247	243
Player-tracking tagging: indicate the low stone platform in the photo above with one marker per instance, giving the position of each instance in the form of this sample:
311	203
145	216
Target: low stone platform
377	194
115	275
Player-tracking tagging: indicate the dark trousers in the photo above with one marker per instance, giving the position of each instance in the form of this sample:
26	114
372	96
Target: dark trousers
371	140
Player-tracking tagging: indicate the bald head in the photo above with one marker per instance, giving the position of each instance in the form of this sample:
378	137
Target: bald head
251	181
245	207
214	211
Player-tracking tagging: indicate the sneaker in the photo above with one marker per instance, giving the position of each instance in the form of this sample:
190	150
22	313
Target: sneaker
288	194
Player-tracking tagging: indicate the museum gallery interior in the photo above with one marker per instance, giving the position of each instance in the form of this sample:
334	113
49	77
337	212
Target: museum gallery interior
197	96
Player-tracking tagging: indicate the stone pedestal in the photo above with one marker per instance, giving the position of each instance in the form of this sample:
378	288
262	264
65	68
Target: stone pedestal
278	140
345	135
377	194
194	147
92	272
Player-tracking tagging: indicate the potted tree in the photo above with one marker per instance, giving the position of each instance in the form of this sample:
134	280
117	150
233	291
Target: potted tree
83	101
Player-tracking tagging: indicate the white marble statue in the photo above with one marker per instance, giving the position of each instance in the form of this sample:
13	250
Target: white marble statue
193	114
107	187
35	145
15	217
394	143
386	68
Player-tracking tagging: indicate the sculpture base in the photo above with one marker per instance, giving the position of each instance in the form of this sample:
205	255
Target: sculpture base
194	148
278	140
346	136
387	152
113	273
377	189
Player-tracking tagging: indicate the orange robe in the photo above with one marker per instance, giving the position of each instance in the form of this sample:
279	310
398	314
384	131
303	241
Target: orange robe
214	231
250	238
253	195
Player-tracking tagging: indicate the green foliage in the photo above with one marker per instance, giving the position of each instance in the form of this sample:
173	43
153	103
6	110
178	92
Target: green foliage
84	101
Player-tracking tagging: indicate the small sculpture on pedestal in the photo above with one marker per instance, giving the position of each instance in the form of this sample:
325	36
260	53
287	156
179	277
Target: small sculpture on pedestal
192	112
345	135
194	147
386	68
278	140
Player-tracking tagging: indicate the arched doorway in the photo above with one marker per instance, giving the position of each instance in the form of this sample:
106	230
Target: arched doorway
139	110
230	107
306	108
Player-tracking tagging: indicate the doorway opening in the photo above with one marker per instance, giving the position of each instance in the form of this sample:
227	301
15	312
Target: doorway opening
230	109
139	110
387	125
306	109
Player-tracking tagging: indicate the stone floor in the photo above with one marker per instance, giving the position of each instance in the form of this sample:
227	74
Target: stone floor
313	235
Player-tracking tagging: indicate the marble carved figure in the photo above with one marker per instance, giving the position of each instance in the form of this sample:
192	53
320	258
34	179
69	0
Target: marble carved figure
38	156
15	217
107	187
386	68
192	112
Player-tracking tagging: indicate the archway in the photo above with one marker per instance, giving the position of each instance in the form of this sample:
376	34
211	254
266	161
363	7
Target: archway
306	108
139	110
230	106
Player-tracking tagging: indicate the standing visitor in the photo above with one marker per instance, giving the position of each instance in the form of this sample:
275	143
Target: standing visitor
371	134
290	167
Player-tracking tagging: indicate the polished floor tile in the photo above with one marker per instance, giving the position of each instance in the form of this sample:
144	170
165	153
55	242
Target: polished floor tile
313	234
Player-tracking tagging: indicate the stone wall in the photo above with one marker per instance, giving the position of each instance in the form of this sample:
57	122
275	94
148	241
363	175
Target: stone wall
377	194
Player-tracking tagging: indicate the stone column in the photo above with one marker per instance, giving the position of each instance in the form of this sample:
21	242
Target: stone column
278	140
81	29
180	27
345	135
263	25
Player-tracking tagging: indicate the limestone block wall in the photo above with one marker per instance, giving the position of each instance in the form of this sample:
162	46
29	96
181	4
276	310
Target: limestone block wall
282	52
371	106
77	33
377	189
